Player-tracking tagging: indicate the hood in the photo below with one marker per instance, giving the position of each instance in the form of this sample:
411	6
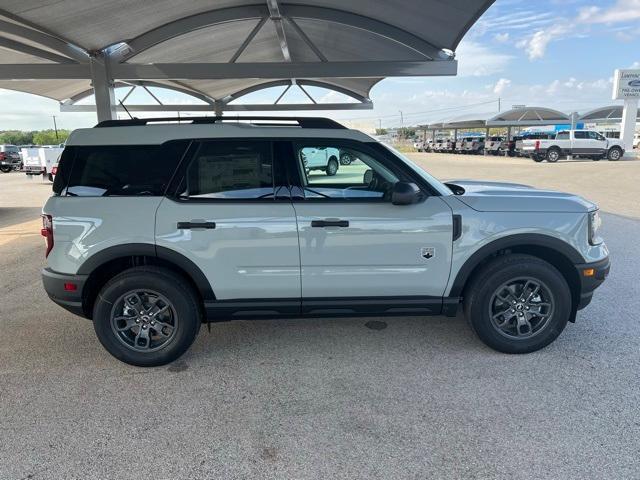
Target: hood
514	197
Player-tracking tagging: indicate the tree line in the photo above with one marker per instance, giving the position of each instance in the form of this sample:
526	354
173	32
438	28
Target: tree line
35	137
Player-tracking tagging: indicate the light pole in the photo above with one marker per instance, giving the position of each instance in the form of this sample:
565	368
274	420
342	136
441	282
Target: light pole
401	124
55	127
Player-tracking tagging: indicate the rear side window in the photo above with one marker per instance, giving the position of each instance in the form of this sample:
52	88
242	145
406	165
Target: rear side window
562	136
117	170
229	171
581	134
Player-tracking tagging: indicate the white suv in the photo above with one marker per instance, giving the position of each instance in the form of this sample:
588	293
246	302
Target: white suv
154	228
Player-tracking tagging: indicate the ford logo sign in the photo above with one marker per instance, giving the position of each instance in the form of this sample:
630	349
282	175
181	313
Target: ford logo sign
634	83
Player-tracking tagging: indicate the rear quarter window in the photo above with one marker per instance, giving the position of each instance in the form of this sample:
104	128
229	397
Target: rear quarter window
117	170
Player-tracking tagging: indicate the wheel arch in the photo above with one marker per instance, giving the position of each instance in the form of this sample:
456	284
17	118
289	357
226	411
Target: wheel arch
556	252
104	265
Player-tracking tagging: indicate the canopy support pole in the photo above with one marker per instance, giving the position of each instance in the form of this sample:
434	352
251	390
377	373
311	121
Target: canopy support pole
103	87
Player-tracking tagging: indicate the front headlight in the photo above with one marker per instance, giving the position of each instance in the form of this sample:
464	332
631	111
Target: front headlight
594	227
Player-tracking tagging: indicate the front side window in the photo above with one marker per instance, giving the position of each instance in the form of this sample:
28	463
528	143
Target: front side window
345	173
230	171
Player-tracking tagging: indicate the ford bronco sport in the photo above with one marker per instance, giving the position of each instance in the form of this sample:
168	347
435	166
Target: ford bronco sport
155	227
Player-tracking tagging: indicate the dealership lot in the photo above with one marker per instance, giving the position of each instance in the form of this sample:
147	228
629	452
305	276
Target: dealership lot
328	398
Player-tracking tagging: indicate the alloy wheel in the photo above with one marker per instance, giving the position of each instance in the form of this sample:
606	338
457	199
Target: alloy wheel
521	308
144	320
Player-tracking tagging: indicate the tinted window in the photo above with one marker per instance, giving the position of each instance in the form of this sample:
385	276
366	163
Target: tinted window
581	134
230	170
562	136
97	171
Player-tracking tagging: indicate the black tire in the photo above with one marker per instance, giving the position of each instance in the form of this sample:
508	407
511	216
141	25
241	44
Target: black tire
537	158
183	300
553	155
480	294
50	177
345	159
614	154
5	168
332	167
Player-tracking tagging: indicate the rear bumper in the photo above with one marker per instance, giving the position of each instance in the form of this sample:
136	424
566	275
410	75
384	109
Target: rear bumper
54	284
588	284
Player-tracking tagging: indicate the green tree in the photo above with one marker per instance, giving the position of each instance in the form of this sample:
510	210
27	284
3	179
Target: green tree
381	131
48	137
16	137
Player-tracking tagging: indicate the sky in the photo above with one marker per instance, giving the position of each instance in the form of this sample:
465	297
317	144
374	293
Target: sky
554	53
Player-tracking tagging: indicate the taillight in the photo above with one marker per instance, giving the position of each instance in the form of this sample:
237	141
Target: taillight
3	155
47	233
537	144
54	171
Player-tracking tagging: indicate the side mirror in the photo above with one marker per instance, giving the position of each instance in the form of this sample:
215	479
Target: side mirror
405	193
367	177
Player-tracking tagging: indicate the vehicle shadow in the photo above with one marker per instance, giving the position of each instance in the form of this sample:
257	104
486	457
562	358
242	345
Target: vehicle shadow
10	216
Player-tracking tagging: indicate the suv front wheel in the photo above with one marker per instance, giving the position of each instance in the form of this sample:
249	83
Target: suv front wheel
518	303
146	316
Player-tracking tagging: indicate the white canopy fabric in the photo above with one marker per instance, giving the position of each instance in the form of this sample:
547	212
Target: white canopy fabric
350	39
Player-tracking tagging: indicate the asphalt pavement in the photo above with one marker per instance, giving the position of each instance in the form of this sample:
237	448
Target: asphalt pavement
386	398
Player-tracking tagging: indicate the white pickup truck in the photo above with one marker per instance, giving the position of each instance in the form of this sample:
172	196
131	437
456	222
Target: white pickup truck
577	143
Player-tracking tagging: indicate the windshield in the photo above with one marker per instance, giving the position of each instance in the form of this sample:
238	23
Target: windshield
434	182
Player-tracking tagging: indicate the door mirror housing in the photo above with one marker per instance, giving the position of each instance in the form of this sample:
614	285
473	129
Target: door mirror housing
405	193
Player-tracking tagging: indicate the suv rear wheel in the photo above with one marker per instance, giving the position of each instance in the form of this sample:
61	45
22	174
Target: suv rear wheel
553	155
146	316
518	304
332	166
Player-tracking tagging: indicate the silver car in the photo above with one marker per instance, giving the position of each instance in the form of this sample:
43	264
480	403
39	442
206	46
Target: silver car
153	230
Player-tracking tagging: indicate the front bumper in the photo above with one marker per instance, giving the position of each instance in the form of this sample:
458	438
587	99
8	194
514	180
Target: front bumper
54	284
591	277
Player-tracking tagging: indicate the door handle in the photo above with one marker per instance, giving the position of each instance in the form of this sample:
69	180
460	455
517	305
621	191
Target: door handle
330	223
196	224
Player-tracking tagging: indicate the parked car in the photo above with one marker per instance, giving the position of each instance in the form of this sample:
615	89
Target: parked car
9	158
437	145
495	145
321	158
419	145
636	140
578	143
40	160
531	136
473	145
459	146
155	229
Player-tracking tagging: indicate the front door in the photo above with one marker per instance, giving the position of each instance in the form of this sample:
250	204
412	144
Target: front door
357	248
231	215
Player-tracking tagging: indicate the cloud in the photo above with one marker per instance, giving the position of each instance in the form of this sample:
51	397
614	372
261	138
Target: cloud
621	11
477	60
535	46
501	37
501	85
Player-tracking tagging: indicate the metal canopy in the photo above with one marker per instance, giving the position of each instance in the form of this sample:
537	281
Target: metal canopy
60	49
612	113
528	116
467	122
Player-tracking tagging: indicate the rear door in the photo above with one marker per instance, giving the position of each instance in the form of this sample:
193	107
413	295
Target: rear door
357	248
229	212
582	144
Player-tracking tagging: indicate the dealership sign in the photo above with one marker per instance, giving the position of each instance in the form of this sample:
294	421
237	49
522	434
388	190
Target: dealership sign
626	84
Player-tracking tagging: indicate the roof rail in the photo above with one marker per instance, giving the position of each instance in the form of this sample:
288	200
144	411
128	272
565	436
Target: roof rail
302	122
